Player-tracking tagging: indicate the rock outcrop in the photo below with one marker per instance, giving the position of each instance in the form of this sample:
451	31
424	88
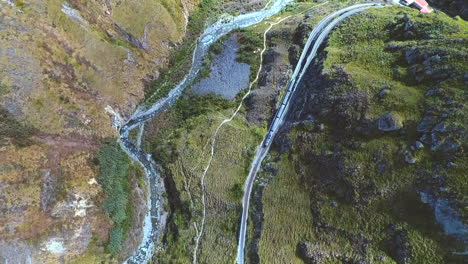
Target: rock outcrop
389	122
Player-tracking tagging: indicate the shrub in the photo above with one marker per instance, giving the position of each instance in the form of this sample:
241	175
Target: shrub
116	238
114	173
10	128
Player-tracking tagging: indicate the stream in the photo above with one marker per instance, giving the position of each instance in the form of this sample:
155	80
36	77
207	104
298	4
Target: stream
155	219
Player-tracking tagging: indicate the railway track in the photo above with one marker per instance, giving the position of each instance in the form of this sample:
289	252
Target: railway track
315	40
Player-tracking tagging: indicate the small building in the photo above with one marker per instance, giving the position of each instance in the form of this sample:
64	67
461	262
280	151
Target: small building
422	5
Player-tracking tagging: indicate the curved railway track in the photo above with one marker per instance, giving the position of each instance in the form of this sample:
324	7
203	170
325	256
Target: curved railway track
316	37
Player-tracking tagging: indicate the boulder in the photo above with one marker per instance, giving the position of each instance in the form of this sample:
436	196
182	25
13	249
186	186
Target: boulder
443	142
431	92
418	145
440	127
312	253
389	122
384	92
426	124
410	159
413	56
425	139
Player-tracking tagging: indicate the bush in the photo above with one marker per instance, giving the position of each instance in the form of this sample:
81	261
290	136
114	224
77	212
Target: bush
193	105
10	128
116	238
237	191
114	173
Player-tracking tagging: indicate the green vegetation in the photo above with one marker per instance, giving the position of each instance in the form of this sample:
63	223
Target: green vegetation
192	106
287	217
184	147
181	58
361	47
354	180
184	152
251	42
115	169
214	50
3	89
363	51
11	130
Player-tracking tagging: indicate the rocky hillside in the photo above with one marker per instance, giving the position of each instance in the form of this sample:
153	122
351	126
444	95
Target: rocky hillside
452	7
66	66
374	152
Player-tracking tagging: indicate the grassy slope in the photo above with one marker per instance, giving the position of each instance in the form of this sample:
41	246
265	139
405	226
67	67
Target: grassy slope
359	45
281	231
185	158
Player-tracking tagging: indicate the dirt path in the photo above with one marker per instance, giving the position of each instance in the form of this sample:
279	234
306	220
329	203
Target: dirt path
213	139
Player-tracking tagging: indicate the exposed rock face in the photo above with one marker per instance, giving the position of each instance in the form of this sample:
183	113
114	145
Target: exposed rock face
261	103
452	7
258	224
426	124
294	52
389	122
446	213
311	253
301	34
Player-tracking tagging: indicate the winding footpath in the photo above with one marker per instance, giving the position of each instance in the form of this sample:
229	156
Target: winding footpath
155	219
317	36
213	138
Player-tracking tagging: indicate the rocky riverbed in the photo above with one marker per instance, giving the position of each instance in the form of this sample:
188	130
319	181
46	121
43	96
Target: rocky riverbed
227	76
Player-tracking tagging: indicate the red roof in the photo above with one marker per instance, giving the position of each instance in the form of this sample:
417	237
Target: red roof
422	5
425	10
